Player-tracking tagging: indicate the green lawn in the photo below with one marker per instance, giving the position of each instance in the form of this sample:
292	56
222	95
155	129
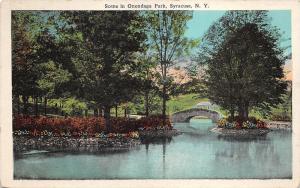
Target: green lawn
175	104
183	102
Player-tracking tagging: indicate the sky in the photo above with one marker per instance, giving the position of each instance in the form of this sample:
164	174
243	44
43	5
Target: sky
201	21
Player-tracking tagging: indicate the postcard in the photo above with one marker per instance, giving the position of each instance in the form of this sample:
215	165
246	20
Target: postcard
150	93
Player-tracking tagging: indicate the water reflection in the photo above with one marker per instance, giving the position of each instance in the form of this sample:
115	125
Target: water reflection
164	157
263	154
158	141
243	138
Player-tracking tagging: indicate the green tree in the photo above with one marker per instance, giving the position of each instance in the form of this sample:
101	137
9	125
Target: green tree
24	70
55	45
146	72
109	41
196	74
244	69
42	49
166	37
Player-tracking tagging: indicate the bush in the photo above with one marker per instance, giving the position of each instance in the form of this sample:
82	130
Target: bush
278	117
238	123
87	126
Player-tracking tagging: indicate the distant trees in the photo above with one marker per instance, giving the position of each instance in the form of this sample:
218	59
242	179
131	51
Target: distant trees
147	73
244	62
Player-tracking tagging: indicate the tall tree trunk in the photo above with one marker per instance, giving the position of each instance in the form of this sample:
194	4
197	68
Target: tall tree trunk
56	109
244	111
36	107
125	112
241	111
100	112
246	115
146	103
232	114
18	104
61	108
116	109
107	118
86	112
45	106
95	112
164	101
25	104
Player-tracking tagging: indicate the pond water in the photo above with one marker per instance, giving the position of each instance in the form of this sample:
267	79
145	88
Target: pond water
197	153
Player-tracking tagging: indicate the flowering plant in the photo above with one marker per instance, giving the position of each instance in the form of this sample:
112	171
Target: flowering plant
251	123
85	126
222	122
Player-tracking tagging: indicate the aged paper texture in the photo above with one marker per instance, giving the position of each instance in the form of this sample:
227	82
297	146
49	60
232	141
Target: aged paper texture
179	93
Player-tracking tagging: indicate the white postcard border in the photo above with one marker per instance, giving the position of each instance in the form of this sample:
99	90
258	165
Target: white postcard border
6	151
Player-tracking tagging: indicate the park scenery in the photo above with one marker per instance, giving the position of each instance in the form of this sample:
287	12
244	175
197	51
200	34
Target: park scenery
152	94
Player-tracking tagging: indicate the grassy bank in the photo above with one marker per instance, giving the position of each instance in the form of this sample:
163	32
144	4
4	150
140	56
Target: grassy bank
183	102
73	107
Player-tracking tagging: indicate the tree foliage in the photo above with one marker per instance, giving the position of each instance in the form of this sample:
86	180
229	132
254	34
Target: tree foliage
244	62
42	51
110	40
166	31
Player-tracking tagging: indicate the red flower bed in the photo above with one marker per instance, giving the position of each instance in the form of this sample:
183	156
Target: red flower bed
155	122
83	126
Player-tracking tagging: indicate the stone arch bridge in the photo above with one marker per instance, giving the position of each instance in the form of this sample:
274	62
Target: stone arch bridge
186	115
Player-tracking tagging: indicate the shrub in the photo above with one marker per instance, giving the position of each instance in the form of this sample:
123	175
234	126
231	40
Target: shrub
277	117
78	126
237	123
